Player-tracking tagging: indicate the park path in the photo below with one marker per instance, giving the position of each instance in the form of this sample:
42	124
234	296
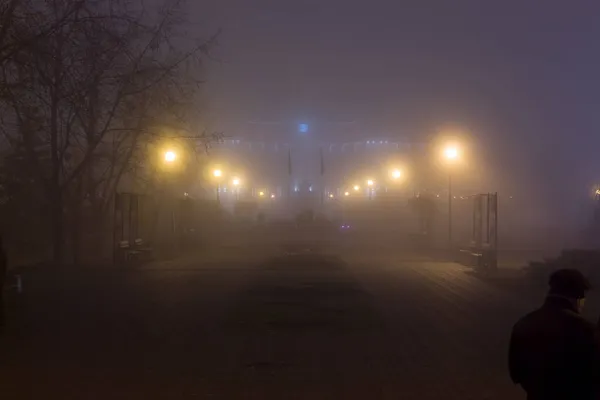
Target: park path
297	327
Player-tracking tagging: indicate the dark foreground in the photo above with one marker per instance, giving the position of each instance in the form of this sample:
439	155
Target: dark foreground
274	326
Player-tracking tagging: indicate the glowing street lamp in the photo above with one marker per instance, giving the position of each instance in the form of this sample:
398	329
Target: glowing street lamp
396	174
272	195
261	193
451	153
170	156
331	195
370	184
236	185
217	173
356	188
346	193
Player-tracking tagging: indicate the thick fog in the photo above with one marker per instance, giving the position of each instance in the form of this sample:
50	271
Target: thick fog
520	78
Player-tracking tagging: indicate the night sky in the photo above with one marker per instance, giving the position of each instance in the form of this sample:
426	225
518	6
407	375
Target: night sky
520	76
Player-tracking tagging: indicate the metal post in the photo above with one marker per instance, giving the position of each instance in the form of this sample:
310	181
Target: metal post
218	196
488	239
450	210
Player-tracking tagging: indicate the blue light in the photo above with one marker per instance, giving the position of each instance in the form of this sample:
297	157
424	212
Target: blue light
302	128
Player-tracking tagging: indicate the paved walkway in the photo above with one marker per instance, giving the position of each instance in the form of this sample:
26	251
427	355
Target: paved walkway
295	327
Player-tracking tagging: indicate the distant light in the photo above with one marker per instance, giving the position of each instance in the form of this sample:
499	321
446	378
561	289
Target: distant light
310	188
451	153
356	187
346	193
261	193
186	194
272	195
386	142
597	192
295	188
396	174
170	156
370	182
437	195
302	128
217	173
236	181
381	142
331	195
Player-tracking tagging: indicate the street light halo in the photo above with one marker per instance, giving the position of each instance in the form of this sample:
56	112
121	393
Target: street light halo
217	173
236	181
370	182
170	156
356	188
396	174
451	152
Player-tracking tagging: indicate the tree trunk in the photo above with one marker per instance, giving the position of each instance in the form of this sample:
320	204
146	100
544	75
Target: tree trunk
57	227
55	186
76	219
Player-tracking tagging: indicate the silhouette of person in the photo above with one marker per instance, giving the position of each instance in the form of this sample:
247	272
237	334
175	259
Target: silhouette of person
554	352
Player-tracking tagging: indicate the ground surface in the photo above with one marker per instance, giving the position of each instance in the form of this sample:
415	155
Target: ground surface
349	323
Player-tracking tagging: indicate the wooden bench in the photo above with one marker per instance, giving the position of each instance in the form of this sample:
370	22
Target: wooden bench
484	259
470	257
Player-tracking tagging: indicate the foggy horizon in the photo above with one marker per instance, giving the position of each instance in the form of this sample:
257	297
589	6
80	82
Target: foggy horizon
520	78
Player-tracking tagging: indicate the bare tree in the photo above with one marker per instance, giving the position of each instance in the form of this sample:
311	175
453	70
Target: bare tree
89	95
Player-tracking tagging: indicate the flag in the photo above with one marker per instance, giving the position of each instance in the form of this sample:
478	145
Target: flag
322	163
289	161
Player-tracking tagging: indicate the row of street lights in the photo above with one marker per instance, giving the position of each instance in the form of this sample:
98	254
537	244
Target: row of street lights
451	154
170	156
395	174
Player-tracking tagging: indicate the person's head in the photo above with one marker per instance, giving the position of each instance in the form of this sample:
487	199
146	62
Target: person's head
571	284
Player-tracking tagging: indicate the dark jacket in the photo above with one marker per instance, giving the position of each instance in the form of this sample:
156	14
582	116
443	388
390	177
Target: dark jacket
554	353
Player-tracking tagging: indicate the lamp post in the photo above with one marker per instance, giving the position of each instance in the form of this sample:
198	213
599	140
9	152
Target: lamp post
236	184
451	154
217	173
370	186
